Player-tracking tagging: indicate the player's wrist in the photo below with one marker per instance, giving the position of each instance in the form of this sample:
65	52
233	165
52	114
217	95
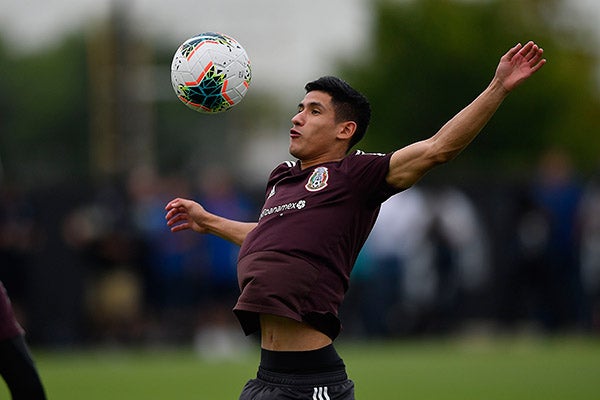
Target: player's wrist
498	87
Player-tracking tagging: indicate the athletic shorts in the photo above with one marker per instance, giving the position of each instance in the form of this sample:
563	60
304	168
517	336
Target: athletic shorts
277	386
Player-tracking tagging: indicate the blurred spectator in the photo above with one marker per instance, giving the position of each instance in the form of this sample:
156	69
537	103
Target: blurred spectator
427	250
98	231
522	277
590	249
16	365
18	240
558	193
172	267
546	282
217	330
190	280
219	195
461	258
392	251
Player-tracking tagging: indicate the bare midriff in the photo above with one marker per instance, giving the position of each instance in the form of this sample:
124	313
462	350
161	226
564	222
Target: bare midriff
285	334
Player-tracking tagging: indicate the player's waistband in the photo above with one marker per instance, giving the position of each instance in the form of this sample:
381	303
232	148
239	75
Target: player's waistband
323	378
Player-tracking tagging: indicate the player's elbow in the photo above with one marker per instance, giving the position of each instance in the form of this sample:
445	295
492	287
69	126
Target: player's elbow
442	153
444	157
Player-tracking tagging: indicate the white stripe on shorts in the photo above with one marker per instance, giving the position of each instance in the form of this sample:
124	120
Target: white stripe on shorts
320	393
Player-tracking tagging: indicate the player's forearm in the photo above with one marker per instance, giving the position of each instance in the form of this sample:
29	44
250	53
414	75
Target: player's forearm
233	231
457	133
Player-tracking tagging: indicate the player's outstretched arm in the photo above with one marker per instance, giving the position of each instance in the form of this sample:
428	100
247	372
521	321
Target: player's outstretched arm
410	163
185	214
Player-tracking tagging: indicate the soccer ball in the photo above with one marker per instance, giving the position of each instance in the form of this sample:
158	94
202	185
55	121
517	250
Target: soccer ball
210	72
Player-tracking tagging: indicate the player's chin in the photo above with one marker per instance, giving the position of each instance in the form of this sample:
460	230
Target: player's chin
294	150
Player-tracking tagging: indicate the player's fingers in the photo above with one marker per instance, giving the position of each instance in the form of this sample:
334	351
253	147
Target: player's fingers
172	212
174	216
540	64
176	208
527	49
177	203
514	50
536	57
173	203
180	227
539	52
532	53
177	218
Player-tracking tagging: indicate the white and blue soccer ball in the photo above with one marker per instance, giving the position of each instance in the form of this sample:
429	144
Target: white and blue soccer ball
210	72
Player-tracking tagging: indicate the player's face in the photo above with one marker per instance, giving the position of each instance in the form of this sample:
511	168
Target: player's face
313	137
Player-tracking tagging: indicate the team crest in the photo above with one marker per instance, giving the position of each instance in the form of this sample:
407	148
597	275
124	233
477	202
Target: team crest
317	180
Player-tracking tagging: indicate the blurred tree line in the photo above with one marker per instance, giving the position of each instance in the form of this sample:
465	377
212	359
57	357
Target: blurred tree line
91	106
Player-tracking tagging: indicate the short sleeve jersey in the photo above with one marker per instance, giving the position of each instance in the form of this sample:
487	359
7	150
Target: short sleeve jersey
297	261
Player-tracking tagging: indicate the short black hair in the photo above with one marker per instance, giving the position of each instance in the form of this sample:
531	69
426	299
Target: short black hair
349	104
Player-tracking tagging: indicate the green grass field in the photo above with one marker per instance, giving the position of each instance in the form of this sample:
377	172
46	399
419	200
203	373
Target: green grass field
462	369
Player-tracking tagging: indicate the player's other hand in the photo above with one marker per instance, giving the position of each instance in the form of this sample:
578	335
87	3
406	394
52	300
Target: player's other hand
185	214
518	64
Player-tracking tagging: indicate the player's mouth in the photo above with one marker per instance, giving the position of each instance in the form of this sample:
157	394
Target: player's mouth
294	133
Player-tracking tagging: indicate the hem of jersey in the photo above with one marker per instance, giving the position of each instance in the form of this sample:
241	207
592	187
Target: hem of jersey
250	323
252	308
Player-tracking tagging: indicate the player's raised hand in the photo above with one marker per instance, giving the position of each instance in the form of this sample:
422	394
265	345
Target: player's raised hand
185	214
518	64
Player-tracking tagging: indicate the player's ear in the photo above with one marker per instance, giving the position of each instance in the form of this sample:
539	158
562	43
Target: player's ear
347	129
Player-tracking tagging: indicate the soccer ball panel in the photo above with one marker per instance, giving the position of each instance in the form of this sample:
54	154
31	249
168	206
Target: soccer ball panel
210	72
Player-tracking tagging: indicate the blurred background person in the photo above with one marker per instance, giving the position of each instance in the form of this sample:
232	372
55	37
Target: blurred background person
16	365
589	250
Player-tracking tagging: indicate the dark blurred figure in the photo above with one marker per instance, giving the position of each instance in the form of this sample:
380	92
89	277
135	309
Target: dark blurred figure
170	267
558	193
16	365
544	282
221	195
590	249
217	332
17	239
390	283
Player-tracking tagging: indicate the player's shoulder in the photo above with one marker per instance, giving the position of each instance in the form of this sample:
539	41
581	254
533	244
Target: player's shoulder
283	167
360	157
361	163
360	153
288	164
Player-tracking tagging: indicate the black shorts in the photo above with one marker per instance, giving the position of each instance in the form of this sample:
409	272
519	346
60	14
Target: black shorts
277	386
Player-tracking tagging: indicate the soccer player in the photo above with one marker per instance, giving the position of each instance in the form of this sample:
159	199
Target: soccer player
295	261
16	365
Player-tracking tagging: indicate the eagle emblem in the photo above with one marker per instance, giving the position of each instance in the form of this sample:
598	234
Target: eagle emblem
317	180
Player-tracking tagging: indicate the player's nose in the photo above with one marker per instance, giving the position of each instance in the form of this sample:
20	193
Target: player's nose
297	119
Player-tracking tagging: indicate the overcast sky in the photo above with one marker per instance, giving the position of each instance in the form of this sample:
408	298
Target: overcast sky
288	42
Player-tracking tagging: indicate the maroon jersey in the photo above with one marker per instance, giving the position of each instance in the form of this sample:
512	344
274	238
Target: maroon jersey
9	327
296	263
